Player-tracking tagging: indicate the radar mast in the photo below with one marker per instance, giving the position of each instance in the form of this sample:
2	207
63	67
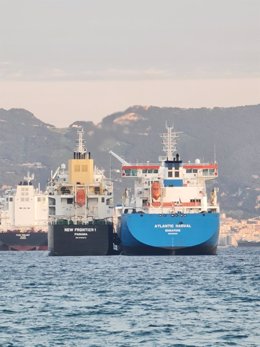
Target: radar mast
169	141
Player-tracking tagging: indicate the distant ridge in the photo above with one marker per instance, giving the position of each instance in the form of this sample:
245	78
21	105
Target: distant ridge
231	134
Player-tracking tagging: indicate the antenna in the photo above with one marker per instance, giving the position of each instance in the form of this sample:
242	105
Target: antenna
81	144
169	141
29	178
80	151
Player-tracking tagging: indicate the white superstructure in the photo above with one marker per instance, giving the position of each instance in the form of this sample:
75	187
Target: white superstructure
171	186
80	192
24	208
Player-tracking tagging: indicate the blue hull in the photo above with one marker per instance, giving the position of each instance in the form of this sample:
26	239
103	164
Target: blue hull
178	234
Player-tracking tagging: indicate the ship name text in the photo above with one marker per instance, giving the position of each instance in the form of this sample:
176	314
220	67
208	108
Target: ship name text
80	230
164	226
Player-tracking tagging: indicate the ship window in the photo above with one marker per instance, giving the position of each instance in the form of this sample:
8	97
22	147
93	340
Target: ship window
155	171
150	171
131	172
211	172
144	171
69	201
52	201
77	168
177	174
97	190
188	171
169	173
194	170
102	199
84	168
10	199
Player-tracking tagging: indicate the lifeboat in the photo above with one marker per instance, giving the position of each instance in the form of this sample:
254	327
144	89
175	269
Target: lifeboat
81	197
156	191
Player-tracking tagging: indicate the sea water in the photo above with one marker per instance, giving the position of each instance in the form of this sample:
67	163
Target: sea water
130	301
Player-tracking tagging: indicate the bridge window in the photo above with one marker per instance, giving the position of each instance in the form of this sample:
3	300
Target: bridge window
131	172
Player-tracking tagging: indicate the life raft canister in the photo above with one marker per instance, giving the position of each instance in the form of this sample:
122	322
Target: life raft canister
81	197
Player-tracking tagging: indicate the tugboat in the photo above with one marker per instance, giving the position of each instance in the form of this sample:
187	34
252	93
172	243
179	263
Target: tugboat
24	218
80	207
169	212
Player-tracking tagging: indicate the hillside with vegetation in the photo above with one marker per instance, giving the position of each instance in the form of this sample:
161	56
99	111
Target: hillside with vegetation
228	135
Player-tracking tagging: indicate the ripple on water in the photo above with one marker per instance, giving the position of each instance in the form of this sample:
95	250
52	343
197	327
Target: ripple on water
129	301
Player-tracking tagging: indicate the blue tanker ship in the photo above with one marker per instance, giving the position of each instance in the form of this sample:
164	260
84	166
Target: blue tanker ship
170	211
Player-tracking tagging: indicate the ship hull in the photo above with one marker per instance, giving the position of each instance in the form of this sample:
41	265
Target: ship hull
169	234
94	238
14	240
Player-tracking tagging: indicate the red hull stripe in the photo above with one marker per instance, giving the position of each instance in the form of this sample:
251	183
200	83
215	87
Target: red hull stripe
27	248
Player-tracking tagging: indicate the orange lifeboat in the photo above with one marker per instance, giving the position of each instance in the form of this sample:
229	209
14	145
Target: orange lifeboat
81	197
156	191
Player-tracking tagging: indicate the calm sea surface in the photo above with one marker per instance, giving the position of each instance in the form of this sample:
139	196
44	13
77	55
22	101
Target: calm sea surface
130	301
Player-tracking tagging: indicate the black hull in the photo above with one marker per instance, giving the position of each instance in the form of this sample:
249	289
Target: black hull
25	241
94	238
203	249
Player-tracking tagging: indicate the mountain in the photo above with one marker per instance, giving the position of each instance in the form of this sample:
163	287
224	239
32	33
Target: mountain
229	135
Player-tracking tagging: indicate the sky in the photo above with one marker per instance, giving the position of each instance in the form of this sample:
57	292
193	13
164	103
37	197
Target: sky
69	60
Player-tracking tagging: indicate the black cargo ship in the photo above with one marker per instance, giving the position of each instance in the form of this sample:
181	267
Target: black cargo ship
15	240
93	238
80	208
24	218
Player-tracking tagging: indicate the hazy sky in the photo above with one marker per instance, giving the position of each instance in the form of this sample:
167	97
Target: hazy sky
68	60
